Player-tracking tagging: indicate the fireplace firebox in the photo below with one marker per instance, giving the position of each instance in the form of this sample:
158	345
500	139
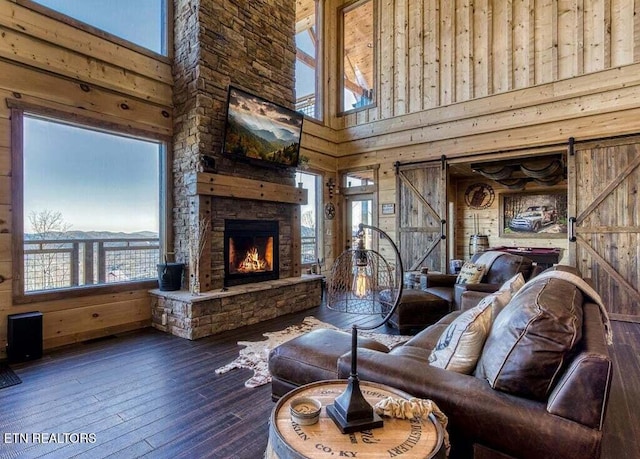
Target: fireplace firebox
250	251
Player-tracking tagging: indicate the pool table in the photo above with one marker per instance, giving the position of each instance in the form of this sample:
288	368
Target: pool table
545	257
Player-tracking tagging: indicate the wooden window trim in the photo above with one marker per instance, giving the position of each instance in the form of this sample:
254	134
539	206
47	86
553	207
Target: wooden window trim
17	112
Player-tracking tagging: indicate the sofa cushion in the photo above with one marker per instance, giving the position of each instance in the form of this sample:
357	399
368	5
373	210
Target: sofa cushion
514	284
460	345
532	338
471	273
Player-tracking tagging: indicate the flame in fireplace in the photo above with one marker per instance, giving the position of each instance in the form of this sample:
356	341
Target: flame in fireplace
252	261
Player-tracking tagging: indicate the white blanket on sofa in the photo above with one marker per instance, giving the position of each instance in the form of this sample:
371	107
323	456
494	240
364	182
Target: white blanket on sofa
586	290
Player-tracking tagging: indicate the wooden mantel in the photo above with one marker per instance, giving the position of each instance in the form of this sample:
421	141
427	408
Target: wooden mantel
243	188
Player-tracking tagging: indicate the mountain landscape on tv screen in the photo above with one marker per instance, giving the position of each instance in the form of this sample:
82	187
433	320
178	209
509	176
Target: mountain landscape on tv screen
260	130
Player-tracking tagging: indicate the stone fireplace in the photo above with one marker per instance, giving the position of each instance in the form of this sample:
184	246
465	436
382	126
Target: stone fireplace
251	251
250	46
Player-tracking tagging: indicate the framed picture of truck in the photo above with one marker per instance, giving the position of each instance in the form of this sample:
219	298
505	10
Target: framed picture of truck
534	214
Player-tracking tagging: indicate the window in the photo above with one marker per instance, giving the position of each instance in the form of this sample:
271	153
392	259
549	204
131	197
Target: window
358	55
143	22
307	59
363	178
310	231
90	207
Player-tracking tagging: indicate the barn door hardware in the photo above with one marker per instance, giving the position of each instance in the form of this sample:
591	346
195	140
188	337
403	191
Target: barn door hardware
572	229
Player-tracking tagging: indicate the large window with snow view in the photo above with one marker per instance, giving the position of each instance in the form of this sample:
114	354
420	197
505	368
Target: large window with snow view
90	206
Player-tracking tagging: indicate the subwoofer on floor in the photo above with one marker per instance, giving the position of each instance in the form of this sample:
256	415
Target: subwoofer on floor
24	336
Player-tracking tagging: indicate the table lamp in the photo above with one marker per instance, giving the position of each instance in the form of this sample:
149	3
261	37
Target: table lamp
362	282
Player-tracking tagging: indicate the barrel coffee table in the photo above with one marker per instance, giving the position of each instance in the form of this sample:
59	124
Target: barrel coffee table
397	438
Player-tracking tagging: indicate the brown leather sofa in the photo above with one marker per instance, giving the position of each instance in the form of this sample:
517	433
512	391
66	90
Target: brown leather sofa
504	267
519	418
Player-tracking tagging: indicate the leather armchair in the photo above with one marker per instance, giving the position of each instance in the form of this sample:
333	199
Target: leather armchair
505	266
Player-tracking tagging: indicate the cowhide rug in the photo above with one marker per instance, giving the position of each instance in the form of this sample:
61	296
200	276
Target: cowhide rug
255	354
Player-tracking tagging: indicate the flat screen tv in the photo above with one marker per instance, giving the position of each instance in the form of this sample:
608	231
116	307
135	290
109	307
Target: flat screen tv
262	131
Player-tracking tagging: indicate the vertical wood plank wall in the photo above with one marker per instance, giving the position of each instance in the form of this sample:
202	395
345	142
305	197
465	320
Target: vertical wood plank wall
44	62
437	52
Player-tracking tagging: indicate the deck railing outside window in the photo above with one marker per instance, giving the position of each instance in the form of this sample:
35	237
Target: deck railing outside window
309	254
63	263
307	105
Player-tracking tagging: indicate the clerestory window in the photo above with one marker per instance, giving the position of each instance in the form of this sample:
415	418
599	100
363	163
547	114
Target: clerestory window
142	22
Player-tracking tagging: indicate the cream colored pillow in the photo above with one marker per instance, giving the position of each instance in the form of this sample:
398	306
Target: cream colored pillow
460	345
514	284
470	273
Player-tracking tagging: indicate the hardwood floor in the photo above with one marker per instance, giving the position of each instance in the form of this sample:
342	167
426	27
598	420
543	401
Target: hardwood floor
148	394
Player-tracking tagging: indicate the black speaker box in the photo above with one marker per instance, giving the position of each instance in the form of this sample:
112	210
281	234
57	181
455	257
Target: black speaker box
24	336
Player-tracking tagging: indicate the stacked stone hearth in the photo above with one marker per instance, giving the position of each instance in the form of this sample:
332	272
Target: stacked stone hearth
250	45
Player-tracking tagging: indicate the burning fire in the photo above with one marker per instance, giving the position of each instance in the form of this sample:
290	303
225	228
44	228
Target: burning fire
252	261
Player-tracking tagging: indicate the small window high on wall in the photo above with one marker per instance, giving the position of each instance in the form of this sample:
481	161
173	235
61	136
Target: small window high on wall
142	22
88	213
358	55
308	62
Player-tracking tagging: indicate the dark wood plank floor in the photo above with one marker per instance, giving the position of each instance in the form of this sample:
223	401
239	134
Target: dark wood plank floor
148	394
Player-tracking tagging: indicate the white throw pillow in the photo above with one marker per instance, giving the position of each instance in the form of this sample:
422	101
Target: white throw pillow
470	273
514	284
460	345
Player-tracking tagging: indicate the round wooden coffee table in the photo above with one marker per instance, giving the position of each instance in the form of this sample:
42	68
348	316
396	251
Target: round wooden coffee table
397	438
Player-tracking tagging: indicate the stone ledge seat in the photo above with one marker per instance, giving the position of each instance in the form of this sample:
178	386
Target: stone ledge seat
311	357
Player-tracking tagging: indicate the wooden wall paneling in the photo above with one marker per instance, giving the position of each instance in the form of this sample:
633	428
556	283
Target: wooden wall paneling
600	82
482	49
31	51
331	54
5	133
622	31
431	64
5	190
521	41
75	325
387	37
5	247
621	122
81	302
21	19
464	50
416	56
501	47
45	88
499	123
5	218
569	18
447	52
545	41
596	34
401	58
636	31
